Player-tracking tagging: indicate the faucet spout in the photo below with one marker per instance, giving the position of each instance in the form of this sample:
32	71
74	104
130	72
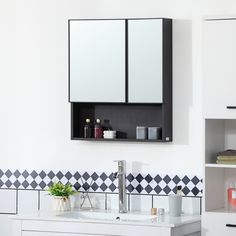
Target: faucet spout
121	175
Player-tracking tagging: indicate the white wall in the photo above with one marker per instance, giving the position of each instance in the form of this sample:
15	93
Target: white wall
35	113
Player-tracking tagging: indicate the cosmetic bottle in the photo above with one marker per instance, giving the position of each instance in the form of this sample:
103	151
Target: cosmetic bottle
98	129
231	196
87	129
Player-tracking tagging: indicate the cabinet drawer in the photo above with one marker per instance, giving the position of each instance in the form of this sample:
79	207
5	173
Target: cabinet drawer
216	224
90	228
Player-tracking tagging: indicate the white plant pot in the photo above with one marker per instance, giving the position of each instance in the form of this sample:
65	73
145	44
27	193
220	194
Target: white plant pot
61	204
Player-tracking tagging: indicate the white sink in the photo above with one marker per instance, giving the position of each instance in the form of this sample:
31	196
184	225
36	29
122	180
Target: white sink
111	216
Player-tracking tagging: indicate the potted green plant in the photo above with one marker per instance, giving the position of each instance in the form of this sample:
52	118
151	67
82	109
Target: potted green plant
61	194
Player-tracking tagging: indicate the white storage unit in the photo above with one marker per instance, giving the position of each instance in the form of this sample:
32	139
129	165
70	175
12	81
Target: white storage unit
219	111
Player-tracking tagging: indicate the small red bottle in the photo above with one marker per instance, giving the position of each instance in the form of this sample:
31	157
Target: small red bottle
98	129
231	192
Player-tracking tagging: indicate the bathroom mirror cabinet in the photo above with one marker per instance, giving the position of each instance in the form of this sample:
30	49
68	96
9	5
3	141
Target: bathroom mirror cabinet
121	70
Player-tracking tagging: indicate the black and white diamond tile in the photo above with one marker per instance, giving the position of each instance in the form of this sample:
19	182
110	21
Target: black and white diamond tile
157	184
164	184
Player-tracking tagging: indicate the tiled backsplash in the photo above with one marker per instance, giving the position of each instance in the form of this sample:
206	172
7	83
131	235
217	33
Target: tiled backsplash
154	184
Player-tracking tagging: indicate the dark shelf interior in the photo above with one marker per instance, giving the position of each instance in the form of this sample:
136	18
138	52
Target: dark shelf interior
122	117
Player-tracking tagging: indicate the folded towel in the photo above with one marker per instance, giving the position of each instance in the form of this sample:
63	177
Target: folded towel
231	162
229	152
226	158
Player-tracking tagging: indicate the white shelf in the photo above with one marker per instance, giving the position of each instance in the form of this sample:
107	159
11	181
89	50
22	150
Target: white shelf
214	165
221	210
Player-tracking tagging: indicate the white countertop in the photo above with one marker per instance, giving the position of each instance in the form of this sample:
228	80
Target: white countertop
109	217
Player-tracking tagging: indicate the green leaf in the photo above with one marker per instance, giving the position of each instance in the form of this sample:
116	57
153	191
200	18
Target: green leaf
61	190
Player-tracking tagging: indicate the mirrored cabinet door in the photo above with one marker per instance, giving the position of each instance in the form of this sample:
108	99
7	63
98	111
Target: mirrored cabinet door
97	60
145	61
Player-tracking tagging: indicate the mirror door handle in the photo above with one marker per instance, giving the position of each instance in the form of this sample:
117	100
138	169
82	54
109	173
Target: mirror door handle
230	225
231	107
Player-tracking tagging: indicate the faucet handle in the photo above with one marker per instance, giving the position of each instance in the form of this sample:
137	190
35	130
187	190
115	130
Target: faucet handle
121	166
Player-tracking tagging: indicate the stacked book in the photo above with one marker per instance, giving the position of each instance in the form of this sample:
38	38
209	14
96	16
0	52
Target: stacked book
226	157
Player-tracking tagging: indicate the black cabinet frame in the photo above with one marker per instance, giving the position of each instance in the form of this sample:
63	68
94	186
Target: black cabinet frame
124	117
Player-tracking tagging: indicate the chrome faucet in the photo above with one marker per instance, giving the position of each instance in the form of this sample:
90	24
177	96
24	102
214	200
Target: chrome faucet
121	185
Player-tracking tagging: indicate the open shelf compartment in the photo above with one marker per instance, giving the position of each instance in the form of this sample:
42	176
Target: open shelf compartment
220	134
124	118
